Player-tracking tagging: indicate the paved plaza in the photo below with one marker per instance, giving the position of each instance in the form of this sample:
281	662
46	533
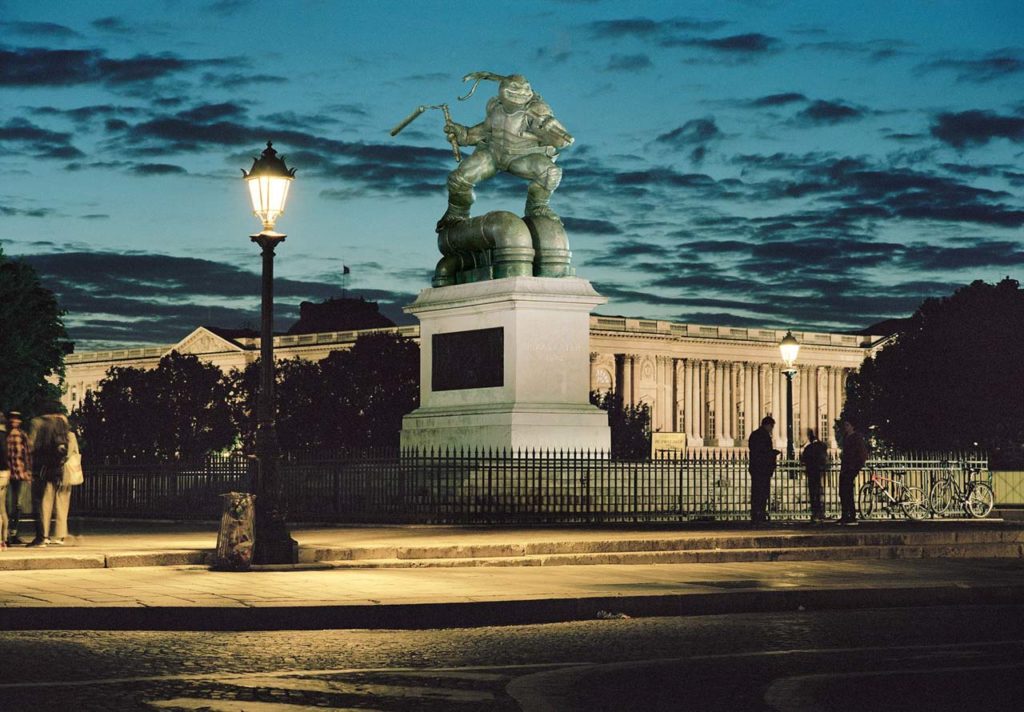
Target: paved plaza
156	576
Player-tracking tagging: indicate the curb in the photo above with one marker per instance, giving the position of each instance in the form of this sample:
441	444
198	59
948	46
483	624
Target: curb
498	613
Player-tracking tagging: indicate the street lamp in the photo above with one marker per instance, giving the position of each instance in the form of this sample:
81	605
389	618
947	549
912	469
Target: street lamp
788	347
268	182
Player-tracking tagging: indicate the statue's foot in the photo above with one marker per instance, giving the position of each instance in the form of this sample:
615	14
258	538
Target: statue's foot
449	219
543	211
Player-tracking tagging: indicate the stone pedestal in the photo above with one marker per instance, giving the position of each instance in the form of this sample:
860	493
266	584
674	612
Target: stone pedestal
505	364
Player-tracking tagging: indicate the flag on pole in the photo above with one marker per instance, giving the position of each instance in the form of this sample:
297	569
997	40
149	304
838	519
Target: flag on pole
345	269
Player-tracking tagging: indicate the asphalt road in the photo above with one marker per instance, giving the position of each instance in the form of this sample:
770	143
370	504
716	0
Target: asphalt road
935	658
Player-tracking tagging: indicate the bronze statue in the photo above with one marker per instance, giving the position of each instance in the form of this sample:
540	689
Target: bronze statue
519	135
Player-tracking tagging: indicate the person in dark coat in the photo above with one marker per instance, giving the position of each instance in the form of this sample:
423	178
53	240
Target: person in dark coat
815	460
855	455
48	439
762	466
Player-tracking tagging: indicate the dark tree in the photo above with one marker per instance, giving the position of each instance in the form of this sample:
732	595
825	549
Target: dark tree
177	411
953	377
630	426
351	399
33	341
369	388
298	396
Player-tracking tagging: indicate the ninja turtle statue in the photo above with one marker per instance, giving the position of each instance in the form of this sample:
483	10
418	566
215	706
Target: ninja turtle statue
518	135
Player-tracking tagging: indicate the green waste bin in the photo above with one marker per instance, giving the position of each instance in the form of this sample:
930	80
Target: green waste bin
237	532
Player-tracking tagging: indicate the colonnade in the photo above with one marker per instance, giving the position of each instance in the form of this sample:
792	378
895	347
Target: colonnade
718	403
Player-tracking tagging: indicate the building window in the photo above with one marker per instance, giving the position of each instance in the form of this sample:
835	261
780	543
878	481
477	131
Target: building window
741	423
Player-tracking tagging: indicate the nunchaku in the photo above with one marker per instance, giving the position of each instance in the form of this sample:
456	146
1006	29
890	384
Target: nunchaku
447	123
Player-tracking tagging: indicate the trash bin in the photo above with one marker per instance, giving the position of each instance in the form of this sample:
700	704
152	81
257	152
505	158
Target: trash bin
237	532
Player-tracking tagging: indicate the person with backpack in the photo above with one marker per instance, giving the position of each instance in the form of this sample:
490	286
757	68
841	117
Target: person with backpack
815	459
48	439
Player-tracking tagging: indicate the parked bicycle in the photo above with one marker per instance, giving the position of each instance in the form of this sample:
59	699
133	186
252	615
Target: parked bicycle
891	495
975	496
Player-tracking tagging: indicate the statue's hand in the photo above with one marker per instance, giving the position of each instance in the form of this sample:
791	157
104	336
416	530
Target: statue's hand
457	131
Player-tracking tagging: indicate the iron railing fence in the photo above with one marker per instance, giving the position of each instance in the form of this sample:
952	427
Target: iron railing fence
479	487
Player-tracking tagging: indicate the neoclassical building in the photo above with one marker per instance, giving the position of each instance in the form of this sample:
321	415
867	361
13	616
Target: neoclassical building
712	383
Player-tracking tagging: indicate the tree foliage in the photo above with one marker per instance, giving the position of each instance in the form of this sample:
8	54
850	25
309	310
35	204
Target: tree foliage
177	411
630	426
351	399
33	341
953	377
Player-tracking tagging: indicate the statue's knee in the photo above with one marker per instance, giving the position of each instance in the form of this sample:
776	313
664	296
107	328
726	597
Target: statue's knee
459	183
550	178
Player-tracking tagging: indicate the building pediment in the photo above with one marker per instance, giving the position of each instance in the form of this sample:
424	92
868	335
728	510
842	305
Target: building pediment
203	341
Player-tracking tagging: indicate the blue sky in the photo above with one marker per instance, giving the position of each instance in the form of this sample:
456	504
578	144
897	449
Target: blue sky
818	165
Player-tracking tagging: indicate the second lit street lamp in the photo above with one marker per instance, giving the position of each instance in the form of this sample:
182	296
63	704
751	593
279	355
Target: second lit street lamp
268	182
789	347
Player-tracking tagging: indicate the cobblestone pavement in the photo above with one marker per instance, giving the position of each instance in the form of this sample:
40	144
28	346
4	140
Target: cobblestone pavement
457	669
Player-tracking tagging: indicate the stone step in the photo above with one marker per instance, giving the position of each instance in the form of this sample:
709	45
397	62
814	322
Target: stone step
708	556
844	539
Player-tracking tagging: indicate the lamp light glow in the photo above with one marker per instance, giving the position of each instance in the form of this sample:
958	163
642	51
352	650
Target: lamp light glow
789	347
269	180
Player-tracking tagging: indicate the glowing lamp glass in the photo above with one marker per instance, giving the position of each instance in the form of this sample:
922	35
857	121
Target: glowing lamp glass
268	193
789	348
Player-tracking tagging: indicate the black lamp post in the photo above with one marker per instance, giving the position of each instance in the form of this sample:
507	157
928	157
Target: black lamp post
268	182
789	347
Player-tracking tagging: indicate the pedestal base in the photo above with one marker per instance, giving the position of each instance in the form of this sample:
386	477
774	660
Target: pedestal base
515	430
505	365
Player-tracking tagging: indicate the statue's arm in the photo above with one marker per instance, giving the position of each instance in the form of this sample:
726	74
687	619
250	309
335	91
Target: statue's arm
467	135
548	130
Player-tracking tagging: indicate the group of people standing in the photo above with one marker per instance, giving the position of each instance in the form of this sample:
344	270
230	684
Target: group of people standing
36	459
764	456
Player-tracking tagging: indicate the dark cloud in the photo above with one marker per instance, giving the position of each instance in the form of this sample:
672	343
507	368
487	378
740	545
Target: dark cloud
212	112
695	134
21	135
48	67
114	25
591	227
752	43
645	28
232	80
778	99
157	169
692	132
872	50
829	112
628	63
983	253
29	213
39	29
998	65
227	8
85	114
161	299
976	128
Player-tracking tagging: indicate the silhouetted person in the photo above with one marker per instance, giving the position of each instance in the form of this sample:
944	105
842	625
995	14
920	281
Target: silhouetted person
19	461
855	454
48	438
762	467
815	459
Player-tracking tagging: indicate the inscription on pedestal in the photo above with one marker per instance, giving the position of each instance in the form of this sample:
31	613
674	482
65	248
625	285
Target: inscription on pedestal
468	359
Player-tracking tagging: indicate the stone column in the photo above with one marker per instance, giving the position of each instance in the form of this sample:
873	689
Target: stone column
749	408
688	398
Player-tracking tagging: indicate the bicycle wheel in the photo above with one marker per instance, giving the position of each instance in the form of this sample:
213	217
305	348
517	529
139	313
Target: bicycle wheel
940	498
913	503
980	499
869	501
